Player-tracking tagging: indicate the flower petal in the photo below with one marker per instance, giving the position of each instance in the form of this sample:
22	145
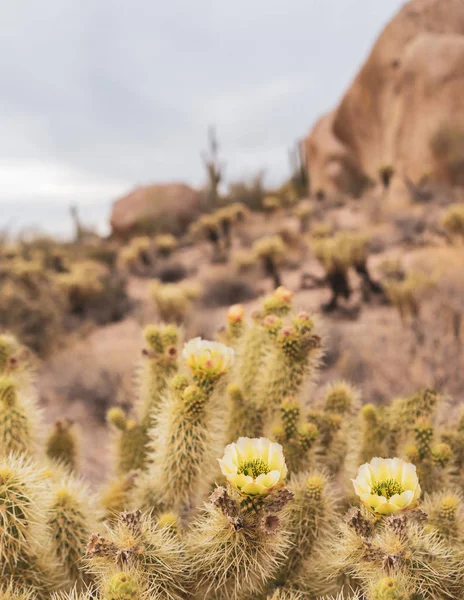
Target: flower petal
372	501
253	489
269	480
239	481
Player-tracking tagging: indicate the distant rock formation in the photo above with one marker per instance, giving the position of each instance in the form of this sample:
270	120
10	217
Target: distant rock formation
405	108
154	208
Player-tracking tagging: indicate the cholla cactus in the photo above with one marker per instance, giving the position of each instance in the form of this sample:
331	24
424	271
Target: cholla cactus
189	431
131	441
244	261
137	256
27	559
255	536
445	510
239	543
294	356
389	538
83	283
159	363
207	227
271	204
406	293
338	254
270	250
61	444
19	414
70	518
165	244
311	515
172	301
151	557
335	421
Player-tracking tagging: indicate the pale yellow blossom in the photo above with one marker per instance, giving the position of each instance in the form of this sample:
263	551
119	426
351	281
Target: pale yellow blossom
387	485
254	466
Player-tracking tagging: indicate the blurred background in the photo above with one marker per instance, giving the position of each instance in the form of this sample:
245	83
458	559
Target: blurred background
98	98
163	161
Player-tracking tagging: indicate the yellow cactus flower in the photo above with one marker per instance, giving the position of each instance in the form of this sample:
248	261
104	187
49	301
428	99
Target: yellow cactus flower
387	485
236	314
208	360
254	466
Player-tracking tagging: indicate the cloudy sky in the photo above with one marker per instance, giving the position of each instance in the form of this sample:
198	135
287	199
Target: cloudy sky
99	95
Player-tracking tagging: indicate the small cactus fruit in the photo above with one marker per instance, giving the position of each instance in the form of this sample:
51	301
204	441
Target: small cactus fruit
389	589
61	444
121	586
340	398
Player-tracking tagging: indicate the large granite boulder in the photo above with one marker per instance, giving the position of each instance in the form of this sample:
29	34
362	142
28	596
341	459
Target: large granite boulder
404	109
154	208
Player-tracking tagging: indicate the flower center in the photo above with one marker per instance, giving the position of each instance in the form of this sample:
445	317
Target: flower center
254	468
387	488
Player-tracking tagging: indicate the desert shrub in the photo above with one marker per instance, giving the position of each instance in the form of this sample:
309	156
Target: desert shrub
244	261
173	301
270	251
171	272
447	146
31	305
94	292
106	253
224	291
452	222
137	256
271	204
165	244
406	290
338	254
411	228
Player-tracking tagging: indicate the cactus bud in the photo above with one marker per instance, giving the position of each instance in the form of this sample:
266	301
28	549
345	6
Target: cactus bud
315	486
168	520
117	417
389	589
441	454
307	433
121	587
448	508
152	335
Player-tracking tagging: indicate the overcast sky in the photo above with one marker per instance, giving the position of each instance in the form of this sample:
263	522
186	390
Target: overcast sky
98	95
